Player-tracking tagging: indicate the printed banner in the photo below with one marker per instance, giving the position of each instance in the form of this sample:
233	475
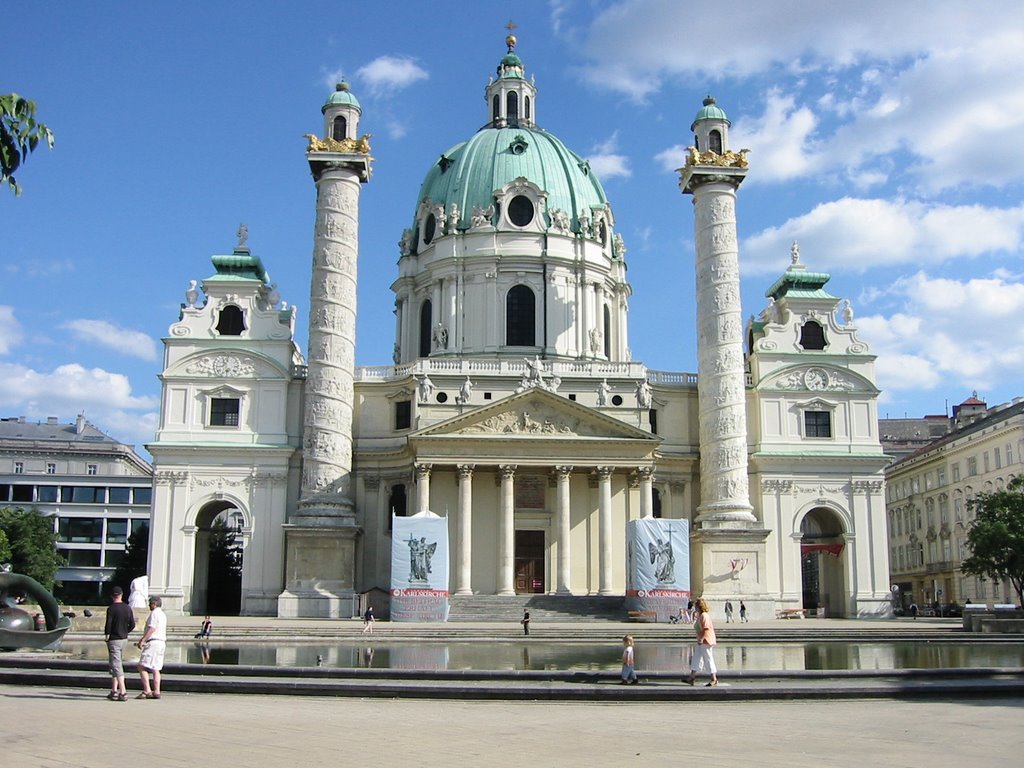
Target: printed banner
657	567
419	568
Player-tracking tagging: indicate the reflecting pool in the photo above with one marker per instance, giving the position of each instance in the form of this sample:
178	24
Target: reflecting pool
580	657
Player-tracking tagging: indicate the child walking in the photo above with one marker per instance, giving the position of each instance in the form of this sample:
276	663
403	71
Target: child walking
628	672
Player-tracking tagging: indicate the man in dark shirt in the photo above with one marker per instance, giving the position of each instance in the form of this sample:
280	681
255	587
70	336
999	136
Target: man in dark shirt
120	622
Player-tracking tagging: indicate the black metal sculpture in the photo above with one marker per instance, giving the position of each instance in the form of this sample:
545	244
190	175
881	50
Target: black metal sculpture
17	626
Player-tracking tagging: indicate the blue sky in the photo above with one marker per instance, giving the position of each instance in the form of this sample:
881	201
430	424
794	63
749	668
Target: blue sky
885	137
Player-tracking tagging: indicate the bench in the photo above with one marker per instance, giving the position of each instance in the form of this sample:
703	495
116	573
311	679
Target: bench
790	613
643	616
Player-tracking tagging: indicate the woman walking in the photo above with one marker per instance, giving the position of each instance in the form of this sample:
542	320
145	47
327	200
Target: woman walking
703	654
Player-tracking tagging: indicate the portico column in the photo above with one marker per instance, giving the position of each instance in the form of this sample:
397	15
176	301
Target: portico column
646	475
422	487
563	474
506	531
604	529
464	569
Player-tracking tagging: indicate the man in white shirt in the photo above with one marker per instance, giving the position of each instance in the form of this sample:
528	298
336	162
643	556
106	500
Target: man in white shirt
153	643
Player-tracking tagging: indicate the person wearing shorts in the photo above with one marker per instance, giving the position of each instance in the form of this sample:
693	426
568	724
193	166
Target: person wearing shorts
153	644
120	621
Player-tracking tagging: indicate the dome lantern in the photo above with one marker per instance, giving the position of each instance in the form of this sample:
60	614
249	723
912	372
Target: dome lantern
511	98
341	114
711	128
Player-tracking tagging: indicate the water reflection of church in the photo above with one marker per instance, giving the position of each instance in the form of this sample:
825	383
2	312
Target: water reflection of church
512	405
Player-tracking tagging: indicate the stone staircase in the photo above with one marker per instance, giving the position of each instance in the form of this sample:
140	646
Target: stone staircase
509	608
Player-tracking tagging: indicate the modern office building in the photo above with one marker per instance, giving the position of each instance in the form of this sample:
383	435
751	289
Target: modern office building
97	490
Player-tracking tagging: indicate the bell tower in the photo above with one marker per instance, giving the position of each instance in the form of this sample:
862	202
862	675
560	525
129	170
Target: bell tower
320	535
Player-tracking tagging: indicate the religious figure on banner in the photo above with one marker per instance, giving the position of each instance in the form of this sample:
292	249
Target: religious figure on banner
664	561
420	554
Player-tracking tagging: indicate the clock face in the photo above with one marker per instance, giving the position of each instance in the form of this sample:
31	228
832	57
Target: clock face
815	378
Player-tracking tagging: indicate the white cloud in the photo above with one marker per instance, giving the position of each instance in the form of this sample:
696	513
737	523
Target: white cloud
857	235
132	343
779	139
387	74
947	331
606	162
10	329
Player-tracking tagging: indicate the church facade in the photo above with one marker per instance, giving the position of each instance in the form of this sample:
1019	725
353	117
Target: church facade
511	404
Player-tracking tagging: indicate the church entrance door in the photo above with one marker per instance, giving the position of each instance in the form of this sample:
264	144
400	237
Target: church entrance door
529	562
217	574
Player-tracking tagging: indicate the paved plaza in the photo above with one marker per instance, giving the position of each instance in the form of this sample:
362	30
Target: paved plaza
64	727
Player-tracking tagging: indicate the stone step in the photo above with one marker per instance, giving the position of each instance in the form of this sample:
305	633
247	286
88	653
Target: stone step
506	608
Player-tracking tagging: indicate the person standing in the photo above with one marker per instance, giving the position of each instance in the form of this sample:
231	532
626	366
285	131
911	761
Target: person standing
728	611
368	620
743	612
153	644
628	662
703	654
119	624
526	622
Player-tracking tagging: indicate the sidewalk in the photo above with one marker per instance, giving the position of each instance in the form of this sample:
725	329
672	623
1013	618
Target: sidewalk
60	727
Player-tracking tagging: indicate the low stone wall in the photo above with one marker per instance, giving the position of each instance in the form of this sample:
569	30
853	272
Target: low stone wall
997	620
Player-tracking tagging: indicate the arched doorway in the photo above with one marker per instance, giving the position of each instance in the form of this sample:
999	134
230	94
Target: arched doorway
217	574
821	562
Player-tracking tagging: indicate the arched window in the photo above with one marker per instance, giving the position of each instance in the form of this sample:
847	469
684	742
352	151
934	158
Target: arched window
495	108
340	128
397	503
607	332
512	108
521	317
812	335
426	318
715	142
526	107
231	321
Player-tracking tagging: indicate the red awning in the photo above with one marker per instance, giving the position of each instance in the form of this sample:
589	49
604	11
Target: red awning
830	549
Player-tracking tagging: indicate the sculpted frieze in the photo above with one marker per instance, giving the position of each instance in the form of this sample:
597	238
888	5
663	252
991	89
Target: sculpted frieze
222	366
815	379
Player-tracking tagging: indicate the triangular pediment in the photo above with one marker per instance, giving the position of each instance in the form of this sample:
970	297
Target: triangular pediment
535	413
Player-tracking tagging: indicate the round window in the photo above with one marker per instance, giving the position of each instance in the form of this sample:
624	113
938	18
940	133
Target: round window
520	210
617	400
429	229
442	397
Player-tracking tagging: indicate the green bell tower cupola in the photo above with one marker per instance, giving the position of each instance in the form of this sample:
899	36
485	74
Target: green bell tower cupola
512	98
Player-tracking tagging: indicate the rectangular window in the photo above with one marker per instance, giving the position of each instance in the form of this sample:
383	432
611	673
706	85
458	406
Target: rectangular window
19	467
942	477
972	466
997	453
51	468
120	495
403	414
81	558
140	525
113	557
83	494
5	492
142	495
21	493
984	458
46	494
90	469
224	411
80	530
117	531
817	424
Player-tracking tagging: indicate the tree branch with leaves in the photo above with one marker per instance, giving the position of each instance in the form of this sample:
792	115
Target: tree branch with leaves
996	536
20	134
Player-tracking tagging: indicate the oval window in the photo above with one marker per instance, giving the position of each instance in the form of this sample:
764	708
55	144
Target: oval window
520	210
429	229
442	397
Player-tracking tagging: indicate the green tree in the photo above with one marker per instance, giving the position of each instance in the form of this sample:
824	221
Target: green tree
996	536
33	544
5	548
20	134
225	571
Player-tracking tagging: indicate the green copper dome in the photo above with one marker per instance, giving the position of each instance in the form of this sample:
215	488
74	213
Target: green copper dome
710	111
470	172
342	95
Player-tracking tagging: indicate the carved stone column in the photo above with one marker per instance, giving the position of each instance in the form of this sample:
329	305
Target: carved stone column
464	565
562	476
321	533
423	487
721	386
604	529
507	531
646	476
